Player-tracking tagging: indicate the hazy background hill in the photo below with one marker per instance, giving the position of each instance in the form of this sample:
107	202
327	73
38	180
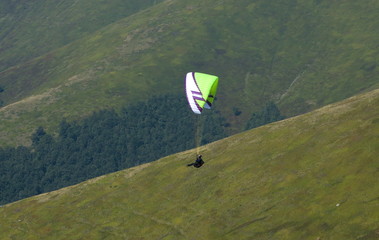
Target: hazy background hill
33	28
298	54
309	177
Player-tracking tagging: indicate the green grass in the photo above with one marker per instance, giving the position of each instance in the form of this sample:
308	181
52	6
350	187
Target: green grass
299	54
33	29
309	177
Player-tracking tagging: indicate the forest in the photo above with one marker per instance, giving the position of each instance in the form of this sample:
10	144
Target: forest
102	143
270	113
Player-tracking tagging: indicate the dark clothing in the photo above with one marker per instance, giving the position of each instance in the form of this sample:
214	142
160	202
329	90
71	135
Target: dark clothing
198	163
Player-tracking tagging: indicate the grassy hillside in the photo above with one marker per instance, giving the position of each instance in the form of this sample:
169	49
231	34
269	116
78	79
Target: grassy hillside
299	54
32	28
309	177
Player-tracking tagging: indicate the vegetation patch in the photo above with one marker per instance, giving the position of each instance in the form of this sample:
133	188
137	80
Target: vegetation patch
102	143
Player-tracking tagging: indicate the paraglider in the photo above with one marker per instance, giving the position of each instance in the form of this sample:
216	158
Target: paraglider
198	163
201	91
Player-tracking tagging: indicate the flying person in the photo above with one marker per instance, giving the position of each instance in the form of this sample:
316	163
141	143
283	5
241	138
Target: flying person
201	91
198	163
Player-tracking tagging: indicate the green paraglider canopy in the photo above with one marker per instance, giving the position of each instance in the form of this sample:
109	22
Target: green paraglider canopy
201	90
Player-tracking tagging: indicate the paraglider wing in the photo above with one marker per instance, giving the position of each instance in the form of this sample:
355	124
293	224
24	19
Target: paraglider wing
201	90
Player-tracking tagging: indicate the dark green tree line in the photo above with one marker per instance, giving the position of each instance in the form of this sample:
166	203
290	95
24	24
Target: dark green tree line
270	113
104	142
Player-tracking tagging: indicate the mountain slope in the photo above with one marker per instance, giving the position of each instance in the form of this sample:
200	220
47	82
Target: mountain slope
309	177
299	54
31	29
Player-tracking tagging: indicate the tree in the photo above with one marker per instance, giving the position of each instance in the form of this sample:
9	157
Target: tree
38	135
